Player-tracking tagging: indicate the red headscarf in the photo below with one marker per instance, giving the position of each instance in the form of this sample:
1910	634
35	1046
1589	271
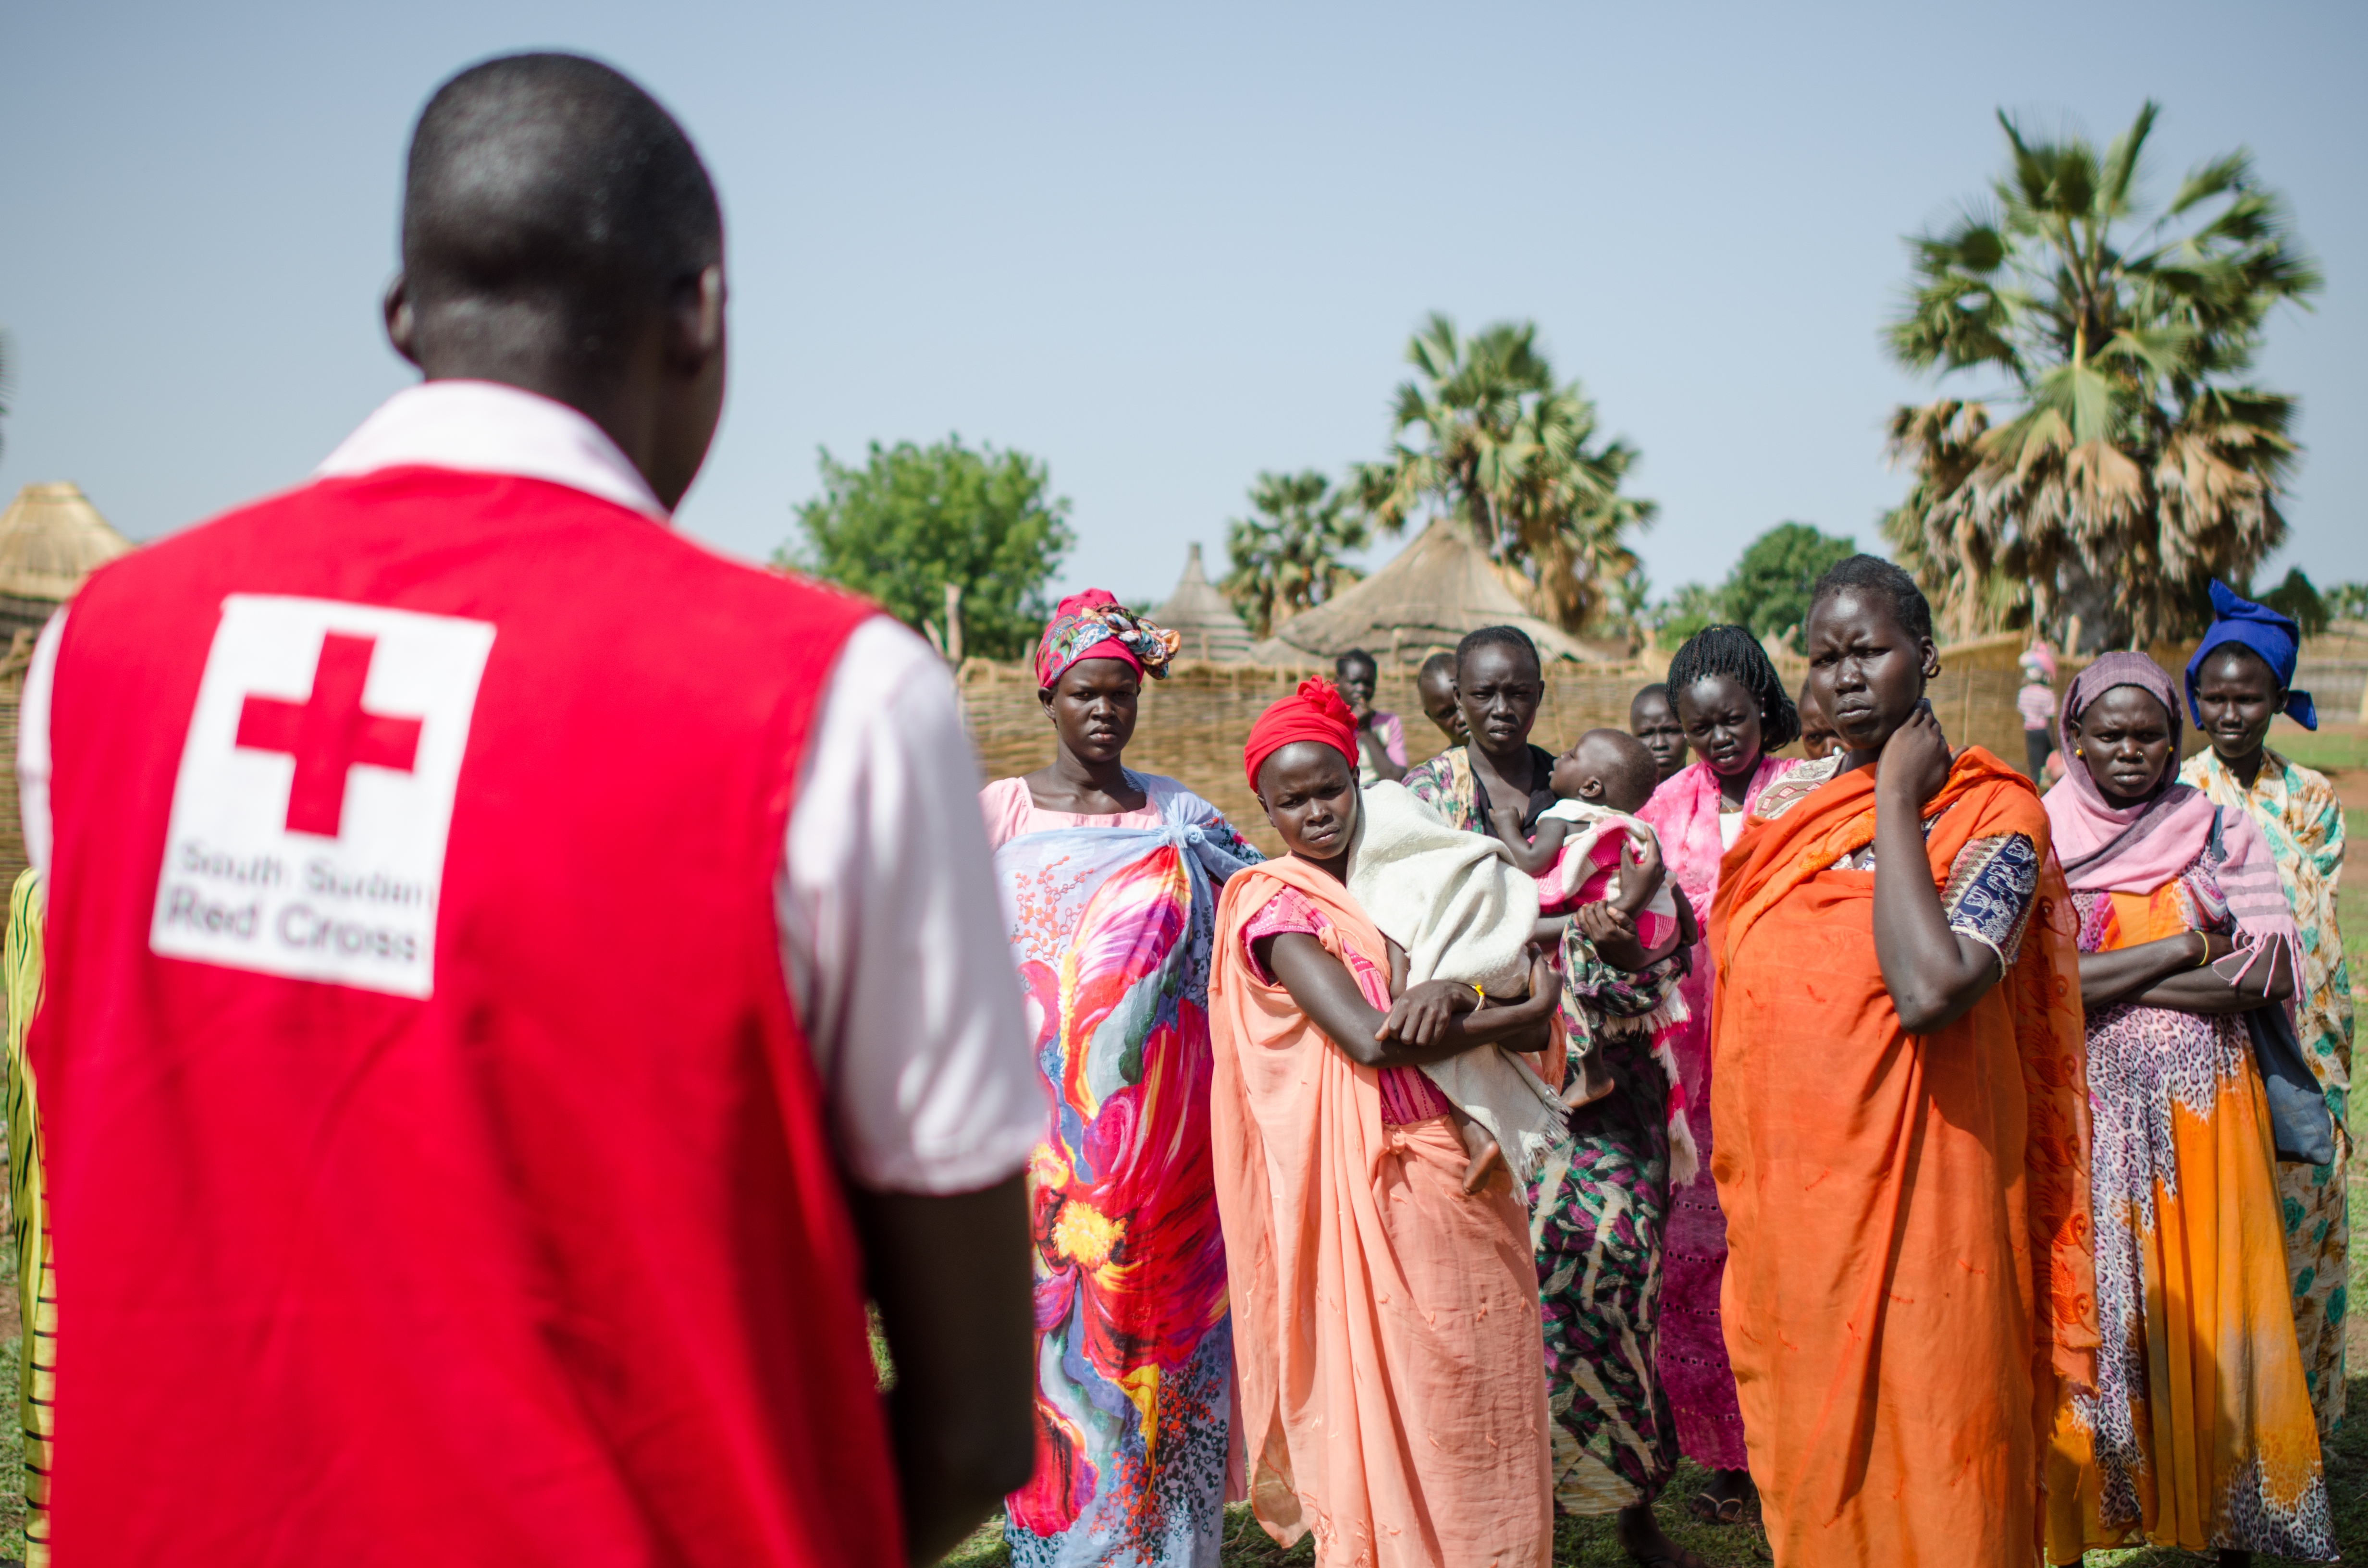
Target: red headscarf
1316	712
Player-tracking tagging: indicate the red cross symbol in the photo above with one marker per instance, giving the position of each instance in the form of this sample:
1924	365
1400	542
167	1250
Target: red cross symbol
329	735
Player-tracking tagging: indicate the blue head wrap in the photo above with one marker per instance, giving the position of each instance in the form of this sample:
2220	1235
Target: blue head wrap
2274	636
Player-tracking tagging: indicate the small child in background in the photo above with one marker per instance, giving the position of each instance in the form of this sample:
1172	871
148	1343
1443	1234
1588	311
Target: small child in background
1819	739
1435	683
1652	721
1590	854
2036	703
1381	739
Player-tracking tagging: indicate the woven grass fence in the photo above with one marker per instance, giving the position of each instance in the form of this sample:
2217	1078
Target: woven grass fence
1191	725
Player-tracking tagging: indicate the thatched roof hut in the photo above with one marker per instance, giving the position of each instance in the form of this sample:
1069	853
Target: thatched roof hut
1209	628
1436	589
50	539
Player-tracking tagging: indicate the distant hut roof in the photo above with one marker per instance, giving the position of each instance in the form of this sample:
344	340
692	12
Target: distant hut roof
1434	591
50	539
1209	628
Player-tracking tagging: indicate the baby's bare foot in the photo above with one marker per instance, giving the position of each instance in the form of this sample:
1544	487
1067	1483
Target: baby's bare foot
1491	1158
1590	1082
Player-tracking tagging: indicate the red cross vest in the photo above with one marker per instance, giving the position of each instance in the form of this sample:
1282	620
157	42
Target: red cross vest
436	1167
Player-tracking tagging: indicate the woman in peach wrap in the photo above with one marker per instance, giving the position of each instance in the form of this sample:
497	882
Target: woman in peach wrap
1901	1121
1385	1320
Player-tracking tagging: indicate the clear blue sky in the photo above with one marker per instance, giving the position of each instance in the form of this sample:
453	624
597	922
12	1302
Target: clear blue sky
1161	247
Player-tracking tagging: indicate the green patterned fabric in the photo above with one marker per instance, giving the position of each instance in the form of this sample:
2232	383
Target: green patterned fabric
2299	813
20	964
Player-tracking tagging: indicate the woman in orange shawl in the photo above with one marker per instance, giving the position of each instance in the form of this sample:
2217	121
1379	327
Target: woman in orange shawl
1385	1320
1901	1142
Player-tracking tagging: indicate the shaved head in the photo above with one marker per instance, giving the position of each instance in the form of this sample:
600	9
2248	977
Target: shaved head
552	211
1626	768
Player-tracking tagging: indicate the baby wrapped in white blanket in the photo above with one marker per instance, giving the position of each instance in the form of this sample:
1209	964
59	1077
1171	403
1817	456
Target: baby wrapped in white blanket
1460	911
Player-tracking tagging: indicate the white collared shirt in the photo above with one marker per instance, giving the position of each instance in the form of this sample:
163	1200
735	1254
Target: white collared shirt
891	929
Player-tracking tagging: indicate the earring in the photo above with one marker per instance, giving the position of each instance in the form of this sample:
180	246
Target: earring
2080	751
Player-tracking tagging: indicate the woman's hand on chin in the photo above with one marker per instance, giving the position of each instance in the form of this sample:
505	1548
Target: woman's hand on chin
1914	762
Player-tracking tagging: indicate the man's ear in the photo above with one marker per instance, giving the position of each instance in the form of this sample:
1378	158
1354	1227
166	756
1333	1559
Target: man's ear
695	325
401	326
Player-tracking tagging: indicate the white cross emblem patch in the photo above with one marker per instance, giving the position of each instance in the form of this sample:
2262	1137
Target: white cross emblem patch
315	792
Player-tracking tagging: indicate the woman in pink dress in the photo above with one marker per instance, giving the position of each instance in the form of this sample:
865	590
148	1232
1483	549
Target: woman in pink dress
1735	711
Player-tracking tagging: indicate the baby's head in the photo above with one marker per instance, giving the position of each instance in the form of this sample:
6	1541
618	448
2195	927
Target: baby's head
1607	767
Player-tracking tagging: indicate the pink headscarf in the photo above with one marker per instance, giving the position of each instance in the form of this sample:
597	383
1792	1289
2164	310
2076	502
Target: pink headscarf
1094	625
2039	653
2108	849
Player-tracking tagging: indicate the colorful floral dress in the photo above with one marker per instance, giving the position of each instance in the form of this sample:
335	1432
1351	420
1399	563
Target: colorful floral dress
1596	1226
2200	1432
2299	813
1111	927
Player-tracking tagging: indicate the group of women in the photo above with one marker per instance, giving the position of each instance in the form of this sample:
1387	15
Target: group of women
1941	1195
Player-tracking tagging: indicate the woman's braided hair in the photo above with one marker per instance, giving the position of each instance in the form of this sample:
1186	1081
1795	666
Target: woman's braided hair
1734	652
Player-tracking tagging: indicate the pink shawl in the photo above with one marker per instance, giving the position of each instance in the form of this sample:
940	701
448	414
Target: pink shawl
2135	849
1684	812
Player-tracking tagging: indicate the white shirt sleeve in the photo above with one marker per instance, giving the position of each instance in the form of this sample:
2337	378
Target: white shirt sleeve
893	933
33	744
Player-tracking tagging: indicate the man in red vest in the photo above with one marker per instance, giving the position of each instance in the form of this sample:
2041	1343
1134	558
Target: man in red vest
518	981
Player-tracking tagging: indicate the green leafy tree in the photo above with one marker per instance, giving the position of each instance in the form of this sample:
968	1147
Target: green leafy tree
2130	459
1285	557
1484	435
1682	614
2347	601
2297	596
914	520
1769	589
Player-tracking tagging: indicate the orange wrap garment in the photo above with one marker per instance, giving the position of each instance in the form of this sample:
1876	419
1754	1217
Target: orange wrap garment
1385	1324
1910	1266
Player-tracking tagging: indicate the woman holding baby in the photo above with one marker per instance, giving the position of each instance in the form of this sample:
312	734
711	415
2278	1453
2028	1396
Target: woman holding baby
1599	1214
1385	1310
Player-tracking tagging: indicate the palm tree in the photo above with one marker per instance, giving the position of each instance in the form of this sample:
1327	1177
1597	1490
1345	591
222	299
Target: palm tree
1513	457
2132	460
1286	558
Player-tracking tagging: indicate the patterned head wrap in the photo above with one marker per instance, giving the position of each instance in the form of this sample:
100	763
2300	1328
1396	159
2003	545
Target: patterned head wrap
1316	712
2274	637
1094	625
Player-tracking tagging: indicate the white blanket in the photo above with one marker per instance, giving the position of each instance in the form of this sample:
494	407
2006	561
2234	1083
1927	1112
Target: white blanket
1461	909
